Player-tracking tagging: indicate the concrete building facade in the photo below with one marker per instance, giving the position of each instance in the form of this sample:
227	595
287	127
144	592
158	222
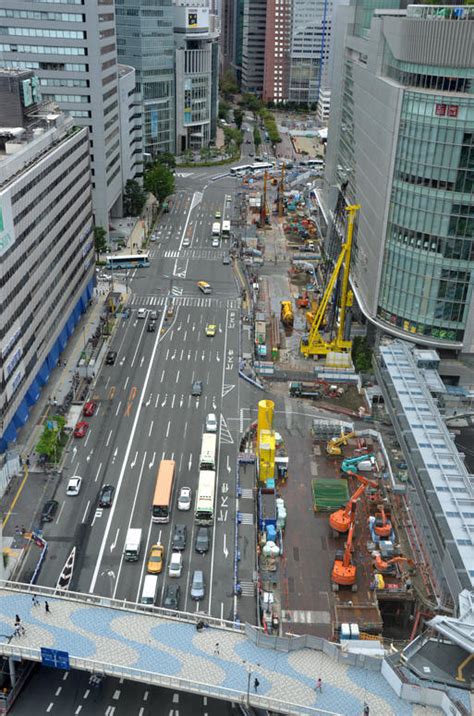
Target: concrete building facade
196	78
72	48
277	47
400	144
46	241
130	116
145	41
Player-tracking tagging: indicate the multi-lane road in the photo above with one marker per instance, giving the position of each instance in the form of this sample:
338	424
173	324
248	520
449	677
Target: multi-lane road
146	413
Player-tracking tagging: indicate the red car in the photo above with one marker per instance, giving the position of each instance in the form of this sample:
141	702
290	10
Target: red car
81	429
89	409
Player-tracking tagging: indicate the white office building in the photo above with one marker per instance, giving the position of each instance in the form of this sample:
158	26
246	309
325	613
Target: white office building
71	46
46	242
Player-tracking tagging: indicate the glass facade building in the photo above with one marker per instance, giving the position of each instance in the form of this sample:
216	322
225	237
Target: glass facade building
401	145
145	41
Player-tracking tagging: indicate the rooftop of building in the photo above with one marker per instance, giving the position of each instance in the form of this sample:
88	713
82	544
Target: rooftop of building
441	462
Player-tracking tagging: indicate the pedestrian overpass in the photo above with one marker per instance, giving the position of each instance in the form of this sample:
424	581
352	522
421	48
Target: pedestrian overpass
108	637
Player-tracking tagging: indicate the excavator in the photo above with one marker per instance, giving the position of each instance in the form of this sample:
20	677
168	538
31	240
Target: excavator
340	520
334	445
350	463
344	571
382	525
386	567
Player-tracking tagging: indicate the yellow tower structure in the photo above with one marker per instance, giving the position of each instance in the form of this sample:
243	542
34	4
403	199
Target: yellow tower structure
265	417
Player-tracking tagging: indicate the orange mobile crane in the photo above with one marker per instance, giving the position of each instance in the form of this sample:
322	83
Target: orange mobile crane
384	567
382	526
344	571
340	521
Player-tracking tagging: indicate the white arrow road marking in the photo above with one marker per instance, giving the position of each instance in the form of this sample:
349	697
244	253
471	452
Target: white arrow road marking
228	465
181	401
224	488
164	401
114	543
190	460
134	460
89	455
114	455
148	401
150	464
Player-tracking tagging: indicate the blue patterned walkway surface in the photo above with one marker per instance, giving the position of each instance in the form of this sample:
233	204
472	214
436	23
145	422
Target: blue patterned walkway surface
175	650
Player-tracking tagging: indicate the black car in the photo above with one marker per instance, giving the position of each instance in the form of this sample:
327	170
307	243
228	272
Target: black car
201	544
178	540
151	326
172	596
111	357
106	496
197	388
49	510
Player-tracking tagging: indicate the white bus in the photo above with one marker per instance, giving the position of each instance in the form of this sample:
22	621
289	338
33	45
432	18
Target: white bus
207	460
318	163
216	228
261	166
226	228
204	512
240	170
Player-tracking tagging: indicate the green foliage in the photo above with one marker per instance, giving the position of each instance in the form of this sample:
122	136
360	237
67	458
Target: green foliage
238	117
228	84
233	138
167	159
49	442
159	181
100	240
270	125
134	198
362	355
251	102
257	137
224	108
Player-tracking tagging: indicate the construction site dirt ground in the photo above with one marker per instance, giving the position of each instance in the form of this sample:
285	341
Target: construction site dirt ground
309	606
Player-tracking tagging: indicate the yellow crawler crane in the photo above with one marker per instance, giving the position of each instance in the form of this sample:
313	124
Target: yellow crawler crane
313	344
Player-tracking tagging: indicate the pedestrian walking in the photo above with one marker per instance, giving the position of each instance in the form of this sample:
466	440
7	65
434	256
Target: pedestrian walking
17	620
366	710
23	528
217	649
256	684
319	686
35	600
17	631
46	607
17	530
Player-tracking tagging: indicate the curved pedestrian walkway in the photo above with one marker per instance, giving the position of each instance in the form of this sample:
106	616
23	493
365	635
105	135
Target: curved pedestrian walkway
220	661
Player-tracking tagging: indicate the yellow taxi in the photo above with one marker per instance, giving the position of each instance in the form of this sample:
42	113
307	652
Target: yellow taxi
217	214
204	287
211	329
155	559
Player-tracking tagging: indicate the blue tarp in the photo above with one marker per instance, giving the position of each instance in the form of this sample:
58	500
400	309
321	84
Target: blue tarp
33	393
63	338
83	302
70	324
77	312
43	374
21	415
53	356
10	434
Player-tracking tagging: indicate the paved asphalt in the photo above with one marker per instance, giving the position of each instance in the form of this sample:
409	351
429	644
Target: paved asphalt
146	413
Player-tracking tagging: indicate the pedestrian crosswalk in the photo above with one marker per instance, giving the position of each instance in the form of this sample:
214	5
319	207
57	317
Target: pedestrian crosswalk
246	493
247	588
246	518
178	299
209	254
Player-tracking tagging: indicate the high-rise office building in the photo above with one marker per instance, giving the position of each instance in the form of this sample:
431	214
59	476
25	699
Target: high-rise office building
401	145
130	116
277	45
46	241
253	45
145	41
196	76
71	47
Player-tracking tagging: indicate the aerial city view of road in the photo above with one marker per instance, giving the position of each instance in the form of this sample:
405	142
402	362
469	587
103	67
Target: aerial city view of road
236	375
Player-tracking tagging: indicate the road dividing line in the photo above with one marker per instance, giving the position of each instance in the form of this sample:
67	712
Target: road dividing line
125	460
168	428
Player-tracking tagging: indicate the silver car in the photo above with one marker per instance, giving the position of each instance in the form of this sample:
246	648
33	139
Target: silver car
184	499
198	587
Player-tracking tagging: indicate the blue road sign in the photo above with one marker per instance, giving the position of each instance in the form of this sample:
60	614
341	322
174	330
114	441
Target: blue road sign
55	659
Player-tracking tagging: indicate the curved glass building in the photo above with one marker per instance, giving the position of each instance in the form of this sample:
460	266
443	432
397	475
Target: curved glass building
401	145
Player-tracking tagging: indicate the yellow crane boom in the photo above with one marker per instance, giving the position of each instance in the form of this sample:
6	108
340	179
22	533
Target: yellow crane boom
314	343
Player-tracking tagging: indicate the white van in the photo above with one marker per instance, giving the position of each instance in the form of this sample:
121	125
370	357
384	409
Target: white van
211	423
150	589
175	566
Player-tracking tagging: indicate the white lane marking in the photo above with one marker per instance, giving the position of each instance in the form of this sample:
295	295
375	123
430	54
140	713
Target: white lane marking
85	513
116	694
50	707
86	693
162	376
151	428
114	543
125	462
172	402
59	517
118	409
150	464
190	460
78	710
97	473
157	398
168	428
58	690
126	382
87	437
177	376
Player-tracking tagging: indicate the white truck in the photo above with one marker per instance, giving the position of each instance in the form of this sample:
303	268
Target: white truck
133	543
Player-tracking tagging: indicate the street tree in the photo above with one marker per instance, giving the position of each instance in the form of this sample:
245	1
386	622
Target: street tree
134	198
159	181
100	240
